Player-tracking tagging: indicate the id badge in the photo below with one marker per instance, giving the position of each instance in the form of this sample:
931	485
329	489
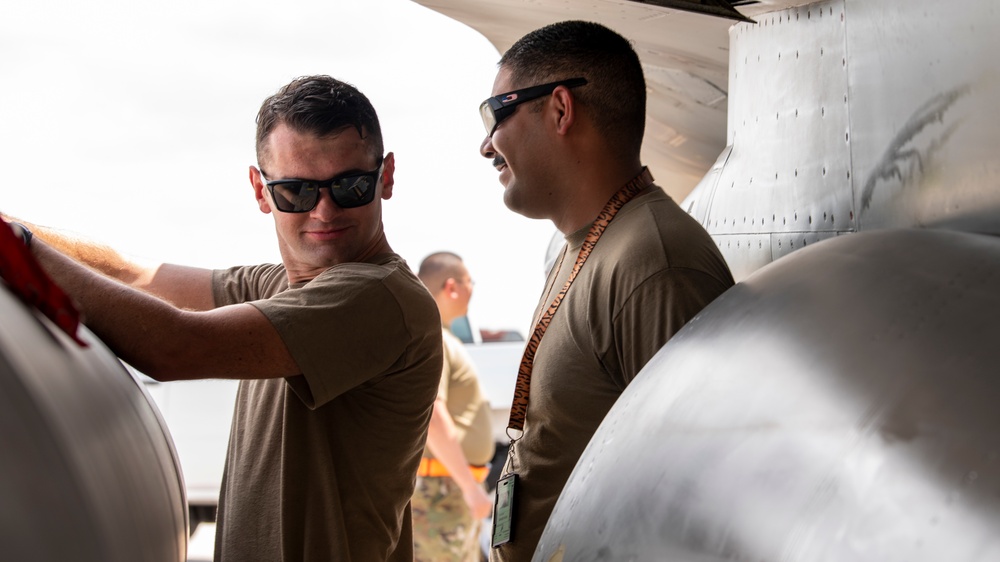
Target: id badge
503	511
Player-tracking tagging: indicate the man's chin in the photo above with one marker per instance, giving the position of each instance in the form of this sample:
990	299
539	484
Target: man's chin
512	203
505	176
508	200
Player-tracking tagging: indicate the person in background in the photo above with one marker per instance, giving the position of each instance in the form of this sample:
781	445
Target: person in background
449	502
338	346
564	126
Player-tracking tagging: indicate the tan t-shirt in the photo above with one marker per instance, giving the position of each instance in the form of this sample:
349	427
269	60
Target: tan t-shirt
321	466
653	269
469	409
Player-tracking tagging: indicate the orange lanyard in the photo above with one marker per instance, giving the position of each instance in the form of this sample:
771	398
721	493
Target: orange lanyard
519	407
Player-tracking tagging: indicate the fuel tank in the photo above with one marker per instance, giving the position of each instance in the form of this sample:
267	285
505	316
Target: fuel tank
87	469
842	403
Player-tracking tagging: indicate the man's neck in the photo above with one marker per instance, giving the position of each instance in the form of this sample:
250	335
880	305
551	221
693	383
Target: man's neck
593	194
447	319
299	275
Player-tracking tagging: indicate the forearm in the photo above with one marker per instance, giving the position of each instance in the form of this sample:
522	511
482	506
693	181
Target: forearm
442	440
119	315
163	341
184	287
97	256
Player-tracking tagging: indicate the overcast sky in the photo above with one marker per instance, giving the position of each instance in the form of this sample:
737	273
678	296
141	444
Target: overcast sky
132	123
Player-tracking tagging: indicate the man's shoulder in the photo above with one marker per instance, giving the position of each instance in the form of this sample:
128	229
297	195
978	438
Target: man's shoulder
380	267
658	207
658	235
250	273
450	339
652	224
385	277
389	271
247	283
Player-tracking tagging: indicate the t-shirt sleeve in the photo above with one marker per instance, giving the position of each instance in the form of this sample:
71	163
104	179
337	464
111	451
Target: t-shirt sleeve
343	329
246	283
654	312
447	364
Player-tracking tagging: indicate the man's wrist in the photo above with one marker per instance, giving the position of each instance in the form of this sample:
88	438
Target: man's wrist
23	233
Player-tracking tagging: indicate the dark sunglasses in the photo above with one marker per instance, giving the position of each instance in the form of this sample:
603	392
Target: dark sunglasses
301	196
494	110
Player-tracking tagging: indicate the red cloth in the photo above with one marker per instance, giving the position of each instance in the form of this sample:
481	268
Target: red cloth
26	279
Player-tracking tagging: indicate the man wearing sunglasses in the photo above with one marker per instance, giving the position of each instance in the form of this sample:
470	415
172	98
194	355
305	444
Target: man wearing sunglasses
339	346
564	129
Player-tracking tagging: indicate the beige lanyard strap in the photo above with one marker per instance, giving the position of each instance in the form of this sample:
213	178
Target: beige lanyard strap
519	406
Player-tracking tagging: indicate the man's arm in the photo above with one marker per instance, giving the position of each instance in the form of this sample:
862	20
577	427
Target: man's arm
442	440
185	287
166	342
656	310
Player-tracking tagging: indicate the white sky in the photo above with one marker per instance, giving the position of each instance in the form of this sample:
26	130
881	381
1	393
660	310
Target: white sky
132	123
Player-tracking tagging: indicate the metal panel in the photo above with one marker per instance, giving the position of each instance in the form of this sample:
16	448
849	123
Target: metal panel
699	202
745	253
785	243
839	404
788	124
925	124
88	472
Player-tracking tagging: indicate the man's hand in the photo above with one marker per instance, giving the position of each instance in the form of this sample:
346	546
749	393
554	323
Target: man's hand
443	443
479	502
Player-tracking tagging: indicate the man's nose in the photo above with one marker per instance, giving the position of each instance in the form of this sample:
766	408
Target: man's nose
486	149
326	206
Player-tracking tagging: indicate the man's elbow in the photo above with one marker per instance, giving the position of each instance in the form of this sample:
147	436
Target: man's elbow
165	365
161	372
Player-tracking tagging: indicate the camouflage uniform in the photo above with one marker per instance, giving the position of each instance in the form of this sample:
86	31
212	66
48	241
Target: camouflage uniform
443	528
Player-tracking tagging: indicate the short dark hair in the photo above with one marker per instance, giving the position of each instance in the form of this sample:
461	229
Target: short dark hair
437	268
616	88
319	105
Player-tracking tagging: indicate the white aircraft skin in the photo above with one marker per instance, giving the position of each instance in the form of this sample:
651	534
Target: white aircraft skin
838	403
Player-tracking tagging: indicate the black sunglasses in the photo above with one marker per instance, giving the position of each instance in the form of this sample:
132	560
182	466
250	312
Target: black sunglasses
301	196
496	109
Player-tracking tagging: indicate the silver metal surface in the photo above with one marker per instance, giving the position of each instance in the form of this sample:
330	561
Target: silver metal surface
840	404
925	123
855	115
88	472
787	178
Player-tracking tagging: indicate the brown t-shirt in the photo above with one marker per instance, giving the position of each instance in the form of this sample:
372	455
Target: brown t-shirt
321	466
469	409
653	269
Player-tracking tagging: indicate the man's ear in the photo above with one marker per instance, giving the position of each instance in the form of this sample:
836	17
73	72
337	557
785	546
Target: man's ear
389	168
258	190
450	287
564	109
